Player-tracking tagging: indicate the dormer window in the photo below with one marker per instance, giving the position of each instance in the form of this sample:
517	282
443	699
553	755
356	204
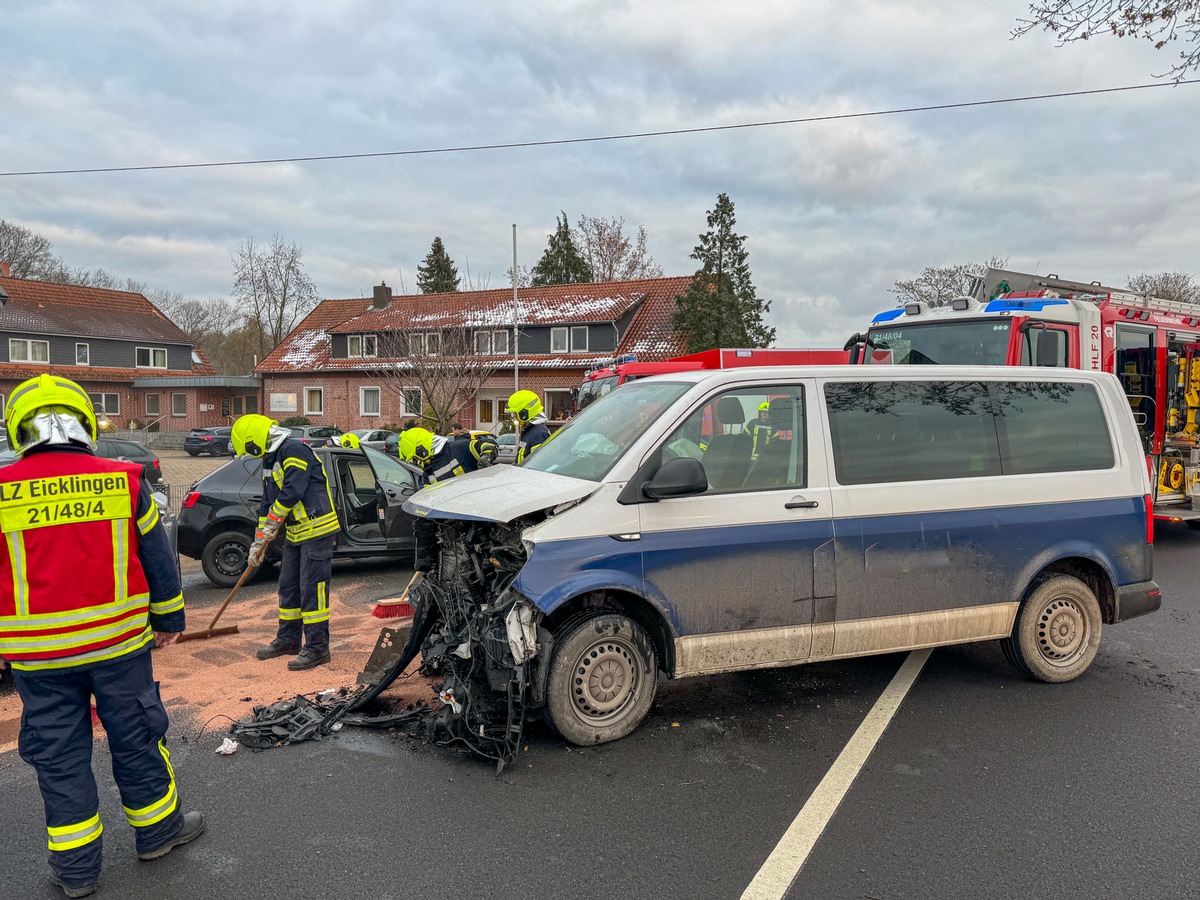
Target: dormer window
569	340
150	357
360	345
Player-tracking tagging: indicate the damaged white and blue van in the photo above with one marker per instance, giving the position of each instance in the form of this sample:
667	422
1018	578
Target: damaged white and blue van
880	511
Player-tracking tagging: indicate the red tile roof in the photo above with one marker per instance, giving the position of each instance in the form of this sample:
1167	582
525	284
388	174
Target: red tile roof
650	335
41	307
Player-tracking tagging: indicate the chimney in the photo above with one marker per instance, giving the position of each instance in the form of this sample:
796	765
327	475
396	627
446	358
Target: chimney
383	296
5	269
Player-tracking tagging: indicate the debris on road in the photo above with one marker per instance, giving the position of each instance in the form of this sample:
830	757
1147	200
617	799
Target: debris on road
228	747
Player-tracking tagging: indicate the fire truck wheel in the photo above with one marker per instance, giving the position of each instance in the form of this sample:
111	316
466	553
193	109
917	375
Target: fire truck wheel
1057	632
602	679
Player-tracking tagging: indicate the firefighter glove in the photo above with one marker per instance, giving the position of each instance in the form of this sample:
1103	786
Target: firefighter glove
258	552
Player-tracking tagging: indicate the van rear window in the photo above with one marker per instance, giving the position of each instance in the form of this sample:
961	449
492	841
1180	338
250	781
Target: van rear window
915	431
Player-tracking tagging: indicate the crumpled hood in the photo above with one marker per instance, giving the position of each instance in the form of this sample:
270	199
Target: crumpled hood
497	494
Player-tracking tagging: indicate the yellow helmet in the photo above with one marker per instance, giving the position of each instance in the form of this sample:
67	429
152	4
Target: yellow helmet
251	435
765	406
416	445
350	440
525	405
52	394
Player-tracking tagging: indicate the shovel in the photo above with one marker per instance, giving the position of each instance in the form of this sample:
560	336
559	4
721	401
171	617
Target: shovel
212	630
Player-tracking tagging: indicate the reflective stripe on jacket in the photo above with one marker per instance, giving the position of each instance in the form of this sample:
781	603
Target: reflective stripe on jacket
296	489
87	573
533	436
454	458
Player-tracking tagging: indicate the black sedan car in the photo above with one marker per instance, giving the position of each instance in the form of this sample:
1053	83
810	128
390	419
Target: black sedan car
220	513
213	441
114	448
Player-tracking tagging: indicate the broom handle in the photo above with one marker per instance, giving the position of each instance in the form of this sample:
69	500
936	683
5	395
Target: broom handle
237	587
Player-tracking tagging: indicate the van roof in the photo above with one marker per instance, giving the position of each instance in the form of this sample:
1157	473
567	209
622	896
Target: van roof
887	373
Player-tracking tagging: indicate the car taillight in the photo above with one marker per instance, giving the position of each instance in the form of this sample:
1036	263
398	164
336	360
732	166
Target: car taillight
190	500
154	462
207	437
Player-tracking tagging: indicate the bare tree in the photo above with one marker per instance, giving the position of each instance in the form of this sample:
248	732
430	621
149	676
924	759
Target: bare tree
938	285
1178	286
444	368
1160	22
611	255
272	285
30	255
216	326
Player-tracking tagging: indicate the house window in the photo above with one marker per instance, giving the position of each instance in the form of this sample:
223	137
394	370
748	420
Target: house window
558	404
21	350
412	401
487	409
433	343
82	355
314	401
368	401
108	404
359	345
179	404
483	343
579	339
151	357
499	342
558	340
152	405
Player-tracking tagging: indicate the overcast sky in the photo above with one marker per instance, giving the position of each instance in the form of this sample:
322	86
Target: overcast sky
1090	188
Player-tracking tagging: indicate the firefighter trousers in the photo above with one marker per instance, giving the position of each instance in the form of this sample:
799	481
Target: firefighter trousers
304	592
56	739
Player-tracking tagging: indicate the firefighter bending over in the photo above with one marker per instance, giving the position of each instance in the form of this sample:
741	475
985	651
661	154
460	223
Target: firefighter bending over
296	499
89	584
441	458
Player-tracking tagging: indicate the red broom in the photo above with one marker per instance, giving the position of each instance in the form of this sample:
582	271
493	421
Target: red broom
395	607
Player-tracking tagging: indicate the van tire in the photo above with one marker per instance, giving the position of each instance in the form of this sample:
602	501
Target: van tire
1057	632
602	679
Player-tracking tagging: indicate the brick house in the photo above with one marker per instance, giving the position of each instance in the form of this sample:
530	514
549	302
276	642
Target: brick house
339	365
135	364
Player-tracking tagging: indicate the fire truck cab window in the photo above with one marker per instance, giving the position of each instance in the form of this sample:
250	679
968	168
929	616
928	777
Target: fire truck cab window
1135	369
979	343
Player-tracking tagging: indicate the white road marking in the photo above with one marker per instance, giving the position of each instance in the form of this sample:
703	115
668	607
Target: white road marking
790	854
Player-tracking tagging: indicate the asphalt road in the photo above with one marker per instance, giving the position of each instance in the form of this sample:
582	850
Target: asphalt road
984	785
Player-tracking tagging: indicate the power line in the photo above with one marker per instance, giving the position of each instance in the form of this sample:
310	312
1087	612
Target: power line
475	148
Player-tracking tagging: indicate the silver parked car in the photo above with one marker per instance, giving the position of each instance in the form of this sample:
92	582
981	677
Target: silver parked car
374	438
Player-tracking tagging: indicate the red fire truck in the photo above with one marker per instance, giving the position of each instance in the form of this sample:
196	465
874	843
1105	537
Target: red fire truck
1015	319
626	368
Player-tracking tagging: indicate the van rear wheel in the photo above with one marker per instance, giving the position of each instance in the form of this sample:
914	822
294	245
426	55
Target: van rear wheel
1057	632
602	679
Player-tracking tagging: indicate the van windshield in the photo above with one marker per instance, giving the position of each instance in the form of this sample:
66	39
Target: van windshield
978	342
591	443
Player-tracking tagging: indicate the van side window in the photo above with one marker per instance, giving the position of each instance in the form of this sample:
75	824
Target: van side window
1046	427
747	439
911	431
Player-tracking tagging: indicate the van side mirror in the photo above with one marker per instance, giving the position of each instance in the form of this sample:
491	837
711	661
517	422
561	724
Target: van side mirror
681	477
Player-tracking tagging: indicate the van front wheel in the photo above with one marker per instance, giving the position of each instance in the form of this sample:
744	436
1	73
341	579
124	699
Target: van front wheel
602	679
1057	632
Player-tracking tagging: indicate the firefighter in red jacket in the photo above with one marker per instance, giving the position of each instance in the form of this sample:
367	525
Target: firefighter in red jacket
88	583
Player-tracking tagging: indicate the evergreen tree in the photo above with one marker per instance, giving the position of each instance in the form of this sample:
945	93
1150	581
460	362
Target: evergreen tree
562	262
437	274
720	308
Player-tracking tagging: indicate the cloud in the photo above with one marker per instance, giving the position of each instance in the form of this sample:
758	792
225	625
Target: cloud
834	212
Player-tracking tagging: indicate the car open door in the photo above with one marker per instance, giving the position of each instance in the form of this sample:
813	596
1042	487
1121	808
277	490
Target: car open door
395	483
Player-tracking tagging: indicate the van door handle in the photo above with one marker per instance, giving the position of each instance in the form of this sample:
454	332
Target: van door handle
801	504
256	497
